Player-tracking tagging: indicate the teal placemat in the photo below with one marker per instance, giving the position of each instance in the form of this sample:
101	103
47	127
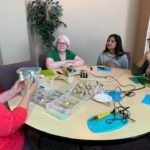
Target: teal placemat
48	73
139	79
100	126
103	68
146	99
116	95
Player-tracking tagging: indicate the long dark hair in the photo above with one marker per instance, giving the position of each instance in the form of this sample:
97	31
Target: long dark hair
119	48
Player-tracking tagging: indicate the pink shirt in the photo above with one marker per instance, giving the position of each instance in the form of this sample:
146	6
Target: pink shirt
11	135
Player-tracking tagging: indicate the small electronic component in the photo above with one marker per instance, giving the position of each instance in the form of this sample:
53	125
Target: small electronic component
83	74
71	70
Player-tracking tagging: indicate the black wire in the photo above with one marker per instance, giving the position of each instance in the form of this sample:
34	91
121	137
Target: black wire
120	83
60	75
113	79
98	76
121	110
131	92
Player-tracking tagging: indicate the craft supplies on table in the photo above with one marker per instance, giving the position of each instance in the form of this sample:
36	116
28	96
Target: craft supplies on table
59	103
47	73
64	107
62	102
101	125
104	68
116	95
85	89
140	79
28	73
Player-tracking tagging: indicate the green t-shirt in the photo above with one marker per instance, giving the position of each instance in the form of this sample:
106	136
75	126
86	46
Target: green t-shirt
55	55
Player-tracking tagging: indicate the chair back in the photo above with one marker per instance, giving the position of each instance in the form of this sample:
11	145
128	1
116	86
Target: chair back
42	60
129	58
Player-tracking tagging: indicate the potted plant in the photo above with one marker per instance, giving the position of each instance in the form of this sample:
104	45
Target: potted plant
44	18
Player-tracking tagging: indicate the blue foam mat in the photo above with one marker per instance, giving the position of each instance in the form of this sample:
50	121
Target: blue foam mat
116	95
146	99
105	69
100	126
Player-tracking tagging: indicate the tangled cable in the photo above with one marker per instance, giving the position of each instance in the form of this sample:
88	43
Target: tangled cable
121	110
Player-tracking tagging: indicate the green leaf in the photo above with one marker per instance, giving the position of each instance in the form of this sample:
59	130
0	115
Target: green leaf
36	18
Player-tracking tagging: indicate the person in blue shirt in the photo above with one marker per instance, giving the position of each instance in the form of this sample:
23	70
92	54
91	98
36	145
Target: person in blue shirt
113	55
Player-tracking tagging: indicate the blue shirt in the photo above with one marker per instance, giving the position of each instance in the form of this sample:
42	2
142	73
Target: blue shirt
120	61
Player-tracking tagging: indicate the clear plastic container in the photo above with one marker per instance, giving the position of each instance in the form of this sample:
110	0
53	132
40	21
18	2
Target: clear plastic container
28	73
64	107
49	96
85	89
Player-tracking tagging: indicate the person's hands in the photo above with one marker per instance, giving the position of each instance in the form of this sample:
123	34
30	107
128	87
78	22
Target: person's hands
31	88
73	62
109	64
104	64
69	63
17	87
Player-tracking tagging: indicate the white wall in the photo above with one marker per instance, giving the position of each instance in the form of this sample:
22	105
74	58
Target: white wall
13	32
90	22
147	47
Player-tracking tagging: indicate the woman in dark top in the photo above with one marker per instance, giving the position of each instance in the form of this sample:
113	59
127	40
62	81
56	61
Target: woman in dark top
142	66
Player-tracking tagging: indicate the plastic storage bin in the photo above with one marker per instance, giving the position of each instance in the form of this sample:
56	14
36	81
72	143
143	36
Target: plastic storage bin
64	107
28	73
47	97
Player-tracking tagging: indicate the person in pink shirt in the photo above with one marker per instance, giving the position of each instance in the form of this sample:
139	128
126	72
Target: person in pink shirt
11	134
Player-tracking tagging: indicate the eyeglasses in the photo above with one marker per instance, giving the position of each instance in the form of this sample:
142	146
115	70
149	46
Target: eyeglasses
61	44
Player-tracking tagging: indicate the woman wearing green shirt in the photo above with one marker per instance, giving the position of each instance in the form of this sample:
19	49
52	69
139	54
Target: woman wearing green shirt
61	56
